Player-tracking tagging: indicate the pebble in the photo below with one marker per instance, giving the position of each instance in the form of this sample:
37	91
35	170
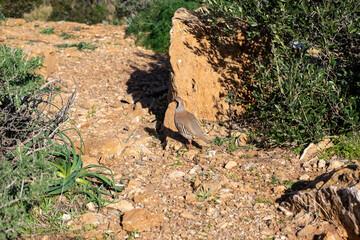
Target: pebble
122	206
304	177
187	215
211	153
176	175
321	163
247	166
230	165
140	220
334	165
306	231
90	206
66	217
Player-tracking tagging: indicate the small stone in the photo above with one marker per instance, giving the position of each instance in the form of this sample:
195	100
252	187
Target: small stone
141	220
280	176
146	199
306	231
91	219
187	215
321	163
304	177
331	236
176	175
194	170
334	165
211	153
114	212
210	211
279	189
230	165
190	197
285	211
90	206
122	206
66	217
247	166
196	184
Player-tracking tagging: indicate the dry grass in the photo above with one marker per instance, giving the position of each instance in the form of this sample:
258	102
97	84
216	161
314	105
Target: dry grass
41	13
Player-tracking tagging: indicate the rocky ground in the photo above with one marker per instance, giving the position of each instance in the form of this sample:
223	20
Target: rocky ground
170	192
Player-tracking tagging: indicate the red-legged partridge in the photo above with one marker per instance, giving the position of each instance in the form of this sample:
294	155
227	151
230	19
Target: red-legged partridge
186	123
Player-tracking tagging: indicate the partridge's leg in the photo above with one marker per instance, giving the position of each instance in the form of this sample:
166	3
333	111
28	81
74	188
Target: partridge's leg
190	144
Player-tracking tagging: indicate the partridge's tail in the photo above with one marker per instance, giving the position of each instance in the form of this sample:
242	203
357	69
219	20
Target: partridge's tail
204	138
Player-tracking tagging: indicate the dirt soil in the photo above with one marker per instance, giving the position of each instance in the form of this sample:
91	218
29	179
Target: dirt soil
204	193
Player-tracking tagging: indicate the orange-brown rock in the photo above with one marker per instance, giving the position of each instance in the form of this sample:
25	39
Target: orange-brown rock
206	70
140	220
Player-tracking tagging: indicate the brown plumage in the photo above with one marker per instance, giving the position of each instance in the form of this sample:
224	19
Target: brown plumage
186	123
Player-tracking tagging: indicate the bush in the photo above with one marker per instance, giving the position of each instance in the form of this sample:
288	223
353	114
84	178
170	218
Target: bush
89	12
308	86
17	8
32	164
152	26
130	8
41	13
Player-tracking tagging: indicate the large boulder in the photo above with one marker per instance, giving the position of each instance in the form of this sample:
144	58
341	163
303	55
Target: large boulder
209	66
333	197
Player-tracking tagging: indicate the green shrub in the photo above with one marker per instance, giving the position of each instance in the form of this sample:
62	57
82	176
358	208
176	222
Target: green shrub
152	26
47	31
130	8
18	76
32	164
23	184
308	86
17	8
89	12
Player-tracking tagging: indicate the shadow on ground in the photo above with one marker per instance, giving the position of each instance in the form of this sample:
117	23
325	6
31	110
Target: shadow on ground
149	84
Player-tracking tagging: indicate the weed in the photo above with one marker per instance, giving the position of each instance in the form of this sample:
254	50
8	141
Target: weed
247	156
65	36
91	112
347	146
204	194
80	46
177	164
274	180
289	183
200	207
132	235
47	31
259	200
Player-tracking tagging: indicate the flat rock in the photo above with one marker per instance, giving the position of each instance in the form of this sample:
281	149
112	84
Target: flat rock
335	165
308	230
122	206
140	220
230	165
176	175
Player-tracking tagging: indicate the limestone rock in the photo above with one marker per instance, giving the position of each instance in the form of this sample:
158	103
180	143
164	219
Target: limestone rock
91	219
334	165
313	149
140	219
201	67
176	175
306	231
230	165
122	206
